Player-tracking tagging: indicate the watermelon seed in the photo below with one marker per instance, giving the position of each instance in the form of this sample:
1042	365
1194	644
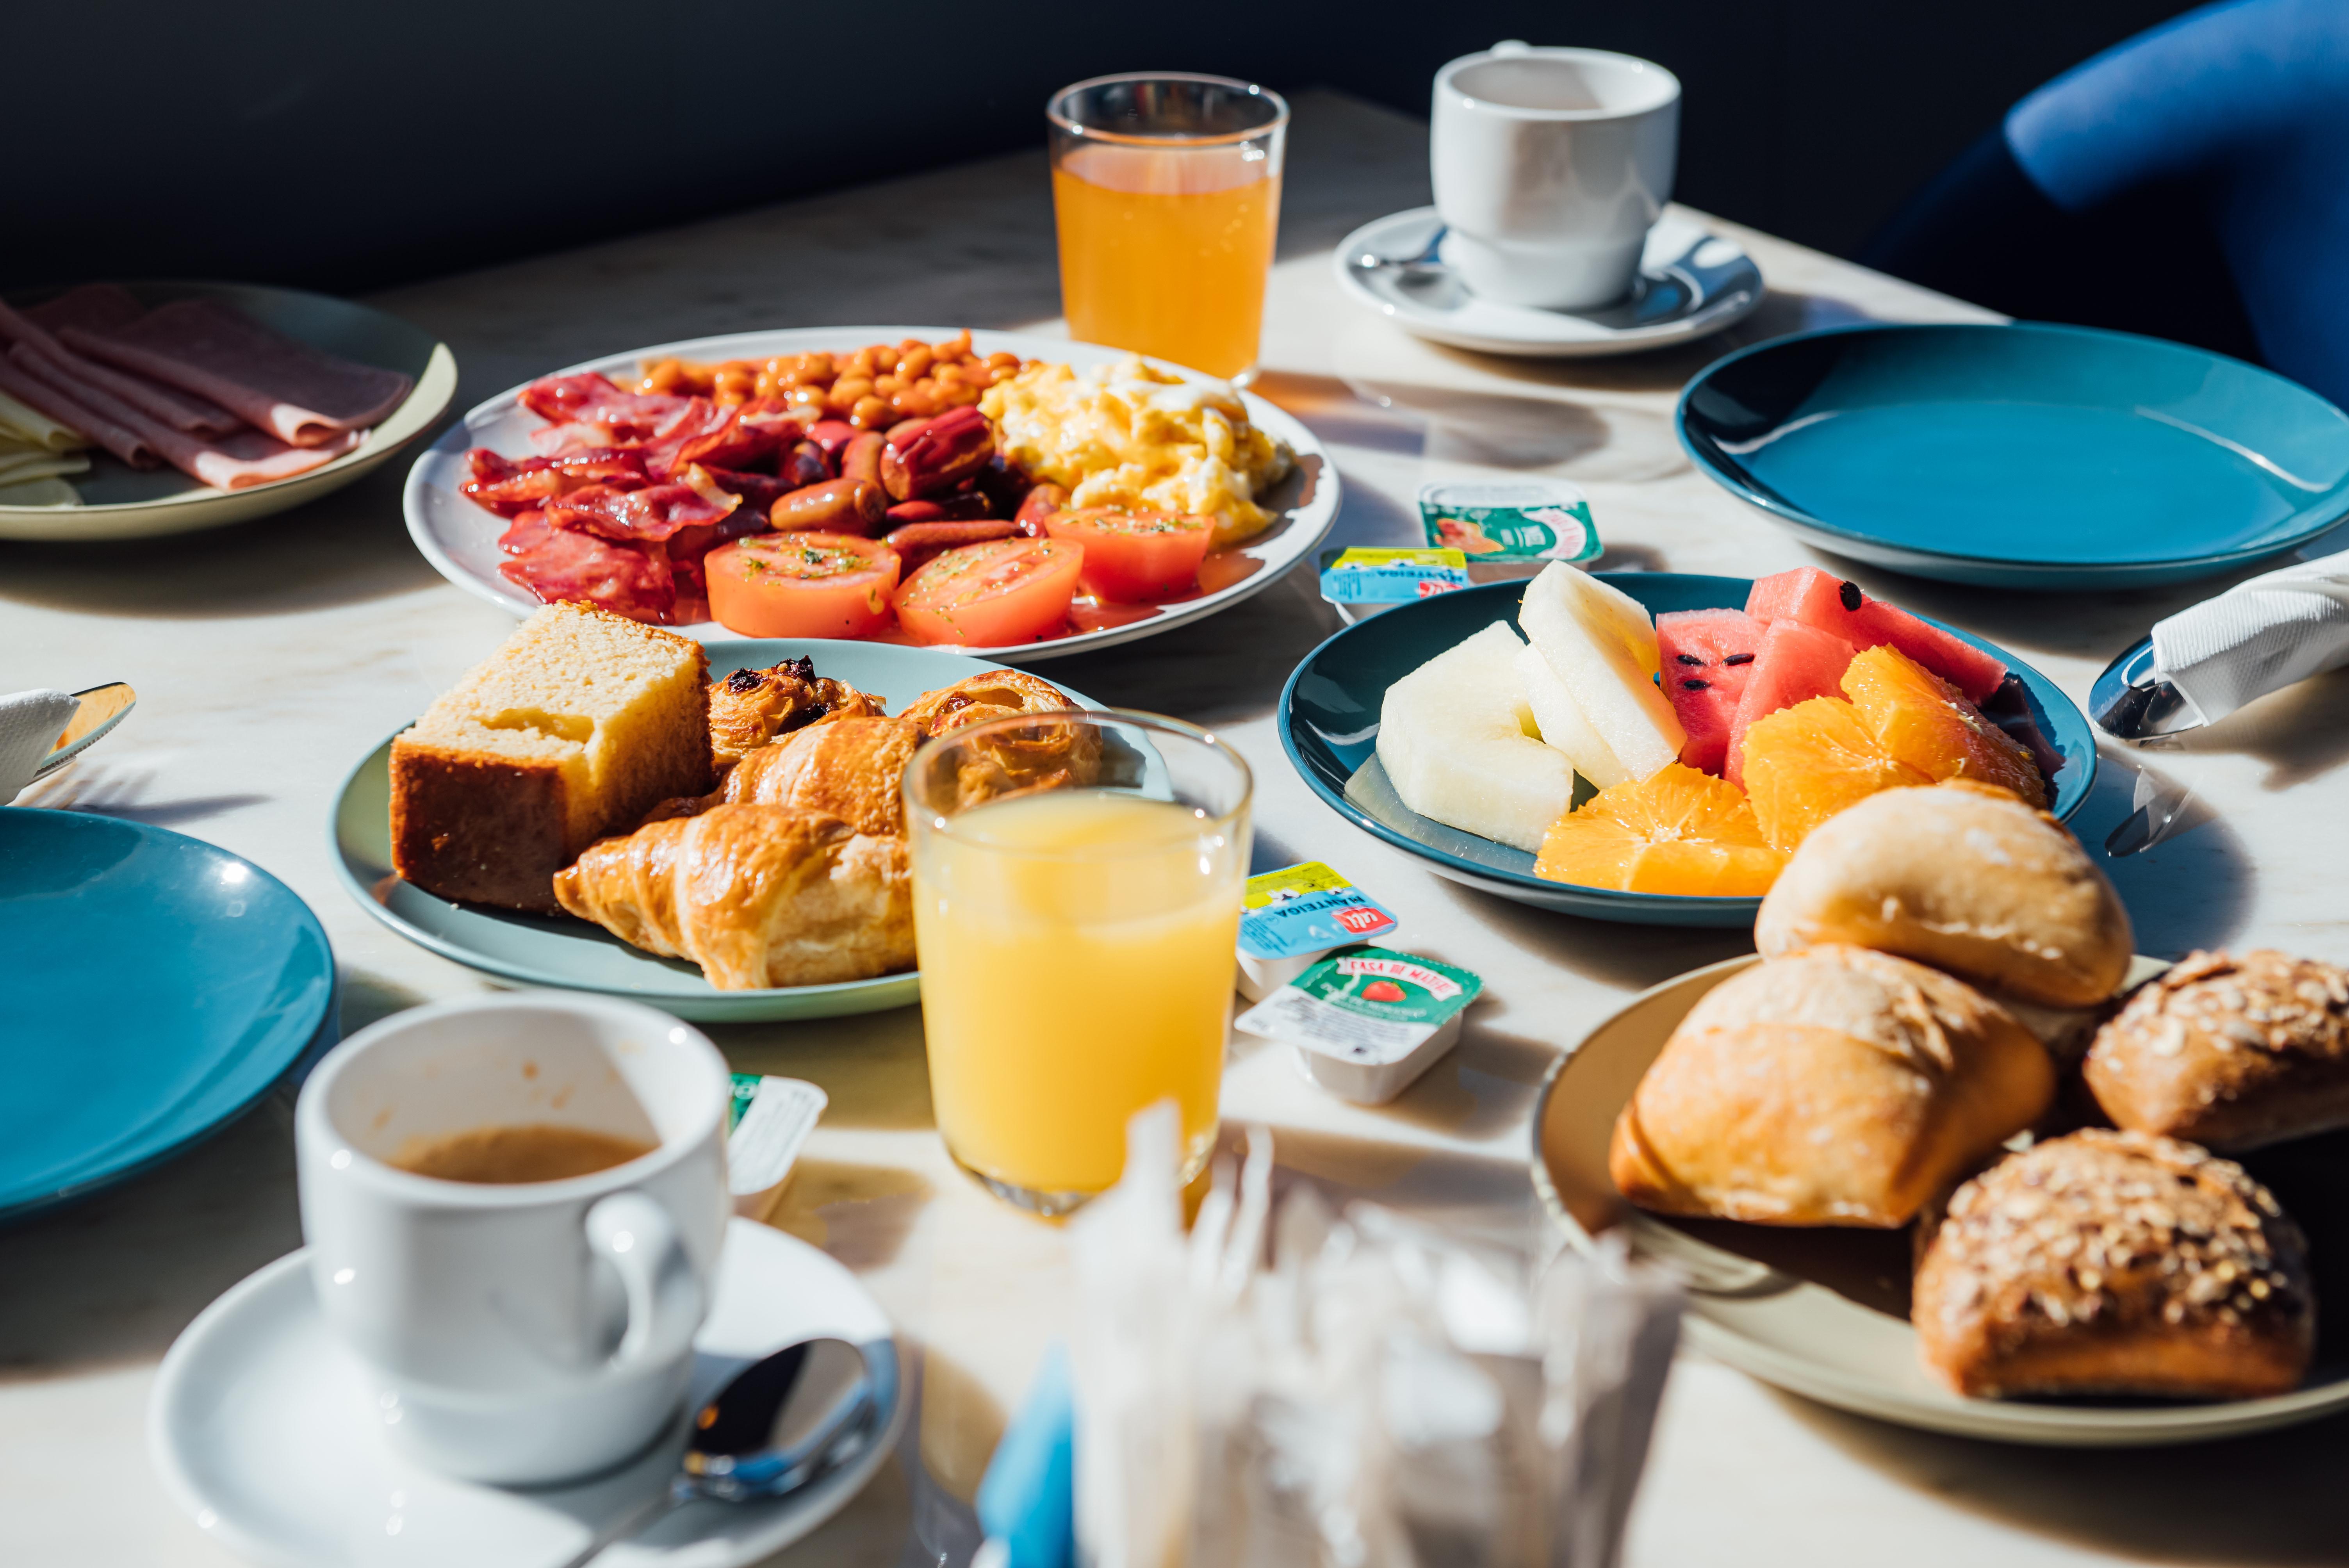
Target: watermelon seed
1688	658
1692	686
1738	659
1850	595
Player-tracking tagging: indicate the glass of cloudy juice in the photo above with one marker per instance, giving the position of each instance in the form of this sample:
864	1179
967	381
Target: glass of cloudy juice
1077	886
1166	187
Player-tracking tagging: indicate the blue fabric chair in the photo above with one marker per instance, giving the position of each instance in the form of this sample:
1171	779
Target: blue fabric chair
2192	183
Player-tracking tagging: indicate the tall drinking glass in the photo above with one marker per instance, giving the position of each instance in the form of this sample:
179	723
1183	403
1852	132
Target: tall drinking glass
1077	886
1167	189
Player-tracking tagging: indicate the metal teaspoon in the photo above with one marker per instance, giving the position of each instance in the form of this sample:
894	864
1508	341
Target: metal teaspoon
783	1424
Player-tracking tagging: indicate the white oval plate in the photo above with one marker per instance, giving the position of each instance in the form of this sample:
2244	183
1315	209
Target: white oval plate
121	502
1792	1306
265	1430
460	539
1693	283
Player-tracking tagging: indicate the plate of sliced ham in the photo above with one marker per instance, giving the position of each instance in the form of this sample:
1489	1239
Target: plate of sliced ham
129	410
586	484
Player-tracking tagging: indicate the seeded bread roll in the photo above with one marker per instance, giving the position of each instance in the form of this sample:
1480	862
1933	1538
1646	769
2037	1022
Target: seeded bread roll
2230	1052
1961	876
1834	1087
2115	1263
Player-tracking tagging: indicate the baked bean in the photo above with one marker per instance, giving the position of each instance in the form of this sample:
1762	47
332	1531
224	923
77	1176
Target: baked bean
955	347
835	506
884	358
915	363
850	390
868	412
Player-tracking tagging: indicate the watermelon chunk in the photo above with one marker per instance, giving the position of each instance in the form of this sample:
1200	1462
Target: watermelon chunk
1794	663
1819	599
1708	657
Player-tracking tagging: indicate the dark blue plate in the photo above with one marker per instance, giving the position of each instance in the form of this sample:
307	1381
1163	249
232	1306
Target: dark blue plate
157	988
1330	727
2020	456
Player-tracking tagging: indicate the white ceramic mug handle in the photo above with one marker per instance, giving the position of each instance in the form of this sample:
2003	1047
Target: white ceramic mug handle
638	1238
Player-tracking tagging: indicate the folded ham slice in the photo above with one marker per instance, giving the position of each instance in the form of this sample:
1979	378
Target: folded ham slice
93	307
181	410
239	461
19	382
303	397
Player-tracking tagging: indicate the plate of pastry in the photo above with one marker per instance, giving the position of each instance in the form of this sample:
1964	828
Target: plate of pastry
714	828
1650	747
131	410
1009	494
1944	1153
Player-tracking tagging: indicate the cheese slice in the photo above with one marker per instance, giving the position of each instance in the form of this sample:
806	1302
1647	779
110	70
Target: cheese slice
39	492
19	464
33	427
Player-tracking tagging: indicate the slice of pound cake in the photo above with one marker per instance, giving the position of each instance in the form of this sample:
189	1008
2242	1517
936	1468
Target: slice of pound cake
576	726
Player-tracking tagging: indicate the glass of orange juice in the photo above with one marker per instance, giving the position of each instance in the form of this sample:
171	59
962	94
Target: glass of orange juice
1077	887
1167	189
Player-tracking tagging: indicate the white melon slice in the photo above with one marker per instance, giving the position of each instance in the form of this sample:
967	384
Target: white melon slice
1456	739
1602	645
1561	723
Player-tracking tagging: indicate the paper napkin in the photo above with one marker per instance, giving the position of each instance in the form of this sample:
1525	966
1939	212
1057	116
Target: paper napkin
2257	636
30	723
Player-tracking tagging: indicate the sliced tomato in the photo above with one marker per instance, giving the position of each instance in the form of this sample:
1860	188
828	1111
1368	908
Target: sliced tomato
801	584
1132	557
992	595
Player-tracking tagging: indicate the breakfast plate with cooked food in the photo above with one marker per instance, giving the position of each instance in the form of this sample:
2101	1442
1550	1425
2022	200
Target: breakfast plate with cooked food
1650	747
1001	493
1882	1155
715	828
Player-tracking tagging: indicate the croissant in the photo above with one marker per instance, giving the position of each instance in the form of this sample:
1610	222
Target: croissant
1036	757
990	694
847	767
756	895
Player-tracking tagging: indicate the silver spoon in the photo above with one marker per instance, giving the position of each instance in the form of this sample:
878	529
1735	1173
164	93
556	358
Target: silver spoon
1427	260
781	1425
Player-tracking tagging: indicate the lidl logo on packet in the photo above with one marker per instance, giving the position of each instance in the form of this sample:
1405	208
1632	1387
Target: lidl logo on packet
1367	576
1306	908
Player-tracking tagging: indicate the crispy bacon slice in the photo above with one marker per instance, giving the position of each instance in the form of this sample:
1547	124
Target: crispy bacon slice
592	399
509	485
562	565
649	515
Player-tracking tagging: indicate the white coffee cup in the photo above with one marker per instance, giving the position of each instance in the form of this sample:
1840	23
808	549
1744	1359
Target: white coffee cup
519	1332
1550	166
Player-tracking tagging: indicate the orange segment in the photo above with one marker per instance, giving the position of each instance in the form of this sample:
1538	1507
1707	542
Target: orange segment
1805	763
1676	831
1923	721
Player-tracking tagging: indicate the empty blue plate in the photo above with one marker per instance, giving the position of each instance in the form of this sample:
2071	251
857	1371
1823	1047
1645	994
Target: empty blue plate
158	986
2024	455
1330	727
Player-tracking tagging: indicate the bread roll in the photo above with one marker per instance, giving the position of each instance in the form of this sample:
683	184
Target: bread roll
2115	1263
1834	1087
2230	1052
1965	878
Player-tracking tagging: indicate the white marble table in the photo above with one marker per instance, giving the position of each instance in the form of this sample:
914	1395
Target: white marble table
270	657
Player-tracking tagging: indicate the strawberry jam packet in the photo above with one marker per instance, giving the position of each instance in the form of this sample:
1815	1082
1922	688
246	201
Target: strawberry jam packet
1367	1022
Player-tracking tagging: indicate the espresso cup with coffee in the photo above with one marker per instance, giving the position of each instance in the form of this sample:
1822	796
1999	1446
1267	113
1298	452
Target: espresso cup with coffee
514	1207
1550	166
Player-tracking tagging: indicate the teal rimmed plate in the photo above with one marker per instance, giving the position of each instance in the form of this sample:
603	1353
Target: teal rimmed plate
1330	727
572	956
158	987
2024	455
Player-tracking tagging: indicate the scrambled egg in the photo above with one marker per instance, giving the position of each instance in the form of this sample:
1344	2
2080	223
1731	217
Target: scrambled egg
1139	440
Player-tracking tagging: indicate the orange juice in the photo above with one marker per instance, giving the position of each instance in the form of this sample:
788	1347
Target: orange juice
1077	953
1164	249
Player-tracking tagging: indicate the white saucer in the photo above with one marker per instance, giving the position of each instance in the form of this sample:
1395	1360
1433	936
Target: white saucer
264	1428
1691	283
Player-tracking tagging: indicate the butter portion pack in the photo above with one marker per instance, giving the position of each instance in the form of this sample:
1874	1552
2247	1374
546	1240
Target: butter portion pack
1292	918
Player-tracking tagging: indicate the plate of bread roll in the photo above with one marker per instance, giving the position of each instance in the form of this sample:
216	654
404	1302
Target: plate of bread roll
1946	1152
714	828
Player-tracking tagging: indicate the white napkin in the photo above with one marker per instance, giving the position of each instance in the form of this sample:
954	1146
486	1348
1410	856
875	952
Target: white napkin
30	723
2257	636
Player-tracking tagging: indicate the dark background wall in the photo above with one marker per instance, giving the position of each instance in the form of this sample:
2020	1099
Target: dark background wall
356	145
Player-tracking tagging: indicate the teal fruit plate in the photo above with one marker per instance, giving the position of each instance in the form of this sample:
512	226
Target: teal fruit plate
158	987
1330	727
573	955
2022	455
